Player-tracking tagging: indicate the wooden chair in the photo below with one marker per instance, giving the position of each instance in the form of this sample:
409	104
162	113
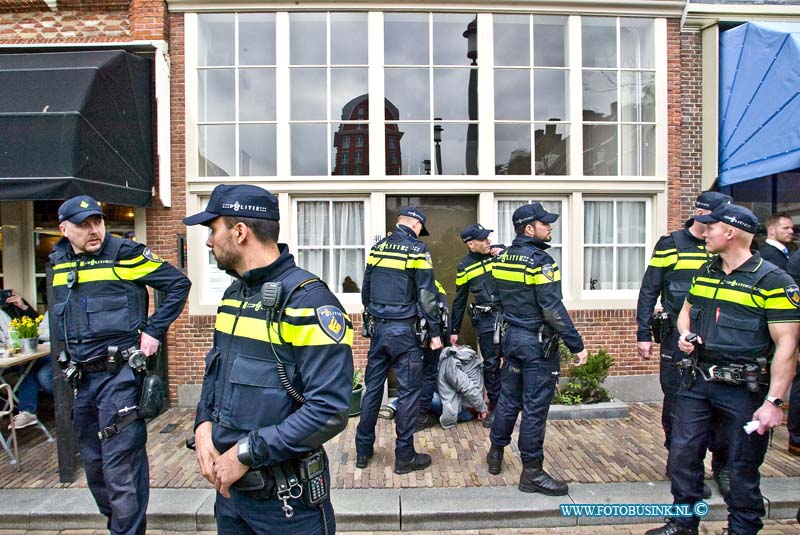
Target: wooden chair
6	442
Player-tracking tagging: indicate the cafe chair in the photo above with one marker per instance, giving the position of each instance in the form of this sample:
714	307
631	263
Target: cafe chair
12	434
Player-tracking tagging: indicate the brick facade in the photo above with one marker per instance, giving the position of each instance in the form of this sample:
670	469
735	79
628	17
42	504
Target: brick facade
190	336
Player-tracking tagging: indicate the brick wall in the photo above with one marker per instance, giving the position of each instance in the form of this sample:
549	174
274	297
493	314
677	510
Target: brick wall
691	141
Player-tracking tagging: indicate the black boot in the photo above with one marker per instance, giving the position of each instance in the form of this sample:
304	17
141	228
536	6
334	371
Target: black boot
722	476
362	459
420	461
489	420
495	459
671	528
535	479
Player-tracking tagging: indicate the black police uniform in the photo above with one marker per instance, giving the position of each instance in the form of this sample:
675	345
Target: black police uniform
793	418
243	397
676	258
529	284
474	275
100	301
730	313
430	363
398	287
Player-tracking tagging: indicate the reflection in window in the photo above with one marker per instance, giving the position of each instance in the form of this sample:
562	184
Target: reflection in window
236	83
428	77
331	241
614	244
505	229
522	77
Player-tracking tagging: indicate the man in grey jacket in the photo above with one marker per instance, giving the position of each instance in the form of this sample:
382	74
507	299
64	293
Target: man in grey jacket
460	383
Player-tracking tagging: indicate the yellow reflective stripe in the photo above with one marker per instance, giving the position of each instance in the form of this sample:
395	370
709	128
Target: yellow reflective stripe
707	280
297	335
130	261
781	302
662	262
137	272
692	255
65	265
387	254
440	288
230	303
461	278
775	291
665	252
744	298
689	264
541	279
508	275
300	312
387	263
60	279
420	263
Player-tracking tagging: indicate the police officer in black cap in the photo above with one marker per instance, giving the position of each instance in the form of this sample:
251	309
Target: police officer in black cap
398	290
529	283
278	378
101	302
474	275
675	260
740	322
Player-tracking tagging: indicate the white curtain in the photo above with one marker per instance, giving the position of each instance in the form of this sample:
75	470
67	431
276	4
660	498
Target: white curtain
313	227
348	242
600	226
505	228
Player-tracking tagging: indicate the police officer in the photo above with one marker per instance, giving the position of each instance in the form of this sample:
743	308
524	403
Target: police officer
474	275
398	289
278	378
529	283
744	313
430	364
100	285
676	258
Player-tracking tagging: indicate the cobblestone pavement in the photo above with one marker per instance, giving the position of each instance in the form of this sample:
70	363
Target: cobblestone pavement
585	451
771	527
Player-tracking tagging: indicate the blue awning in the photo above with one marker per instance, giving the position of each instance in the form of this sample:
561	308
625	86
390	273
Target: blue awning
759	128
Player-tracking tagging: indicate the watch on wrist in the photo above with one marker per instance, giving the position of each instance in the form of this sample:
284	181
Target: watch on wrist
775	400
243	452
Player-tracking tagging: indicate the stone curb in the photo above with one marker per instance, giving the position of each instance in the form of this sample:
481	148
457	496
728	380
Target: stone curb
608	409
473	508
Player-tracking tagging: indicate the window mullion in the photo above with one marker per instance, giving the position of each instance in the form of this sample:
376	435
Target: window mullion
575	96
282	95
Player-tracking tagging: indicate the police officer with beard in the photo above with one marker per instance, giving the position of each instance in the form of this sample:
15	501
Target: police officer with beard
100	285
740	321
675	260
398	289
278	378
474	275
529	283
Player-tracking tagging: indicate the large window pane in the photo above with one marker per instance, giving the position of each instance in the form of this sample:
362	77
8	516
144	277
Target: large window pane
215	39
317	261
599	150
638	150
630	267
309	149
350	149
405	39
408	90
257	150
637	43
449	45
451	93
414	145
549	41
256	39
512	148
598	222
551	149
638	96
313	224
348	266
550	89
349	218
512	94
512	40
257	94
599	95
619	229
348	38
460	149
308	94
215	94
307	38
348	86
630	216
216	147
599	40
598	268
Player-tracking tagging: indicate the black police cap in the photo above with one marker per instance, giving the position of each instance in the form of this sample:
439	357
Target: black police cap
475	232
528	213
734	215
77	209
238	201
419	215
711	200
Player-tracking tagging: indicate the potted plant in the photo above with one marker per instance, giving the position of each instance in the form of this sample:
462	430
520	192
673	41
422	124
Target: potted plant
358	391
28	332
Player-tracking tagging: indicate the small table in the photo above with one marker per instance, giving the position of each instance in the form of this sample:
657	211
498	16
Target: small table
28	360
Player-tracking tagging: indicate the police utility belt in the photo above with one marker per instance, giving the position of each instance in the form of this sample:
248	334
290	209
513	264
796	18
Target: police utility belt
476	310
712	369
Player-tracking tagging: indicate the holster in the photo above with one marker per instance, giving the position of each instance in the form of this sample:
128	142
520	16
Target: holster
660	326
548	338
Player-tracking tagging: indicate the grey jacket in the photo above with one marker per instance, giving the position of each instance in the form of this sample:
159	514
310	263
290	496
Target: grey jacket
460	383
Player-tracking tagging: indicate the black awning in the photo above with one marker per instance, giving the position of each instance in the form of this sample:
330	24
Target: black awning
75	123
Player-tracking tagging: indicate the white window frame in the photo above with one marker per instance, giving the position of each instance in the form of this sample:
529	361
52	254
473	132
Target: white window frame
615	294
351	301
